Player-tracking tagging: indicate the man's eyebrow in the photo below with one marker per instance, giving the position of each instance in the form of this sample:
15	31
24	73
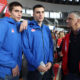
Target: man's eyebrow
39	11
69	18
18	10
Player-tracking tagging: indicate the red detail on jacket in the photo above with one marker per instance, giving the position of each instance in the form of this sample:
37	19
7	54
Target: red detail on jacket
65	54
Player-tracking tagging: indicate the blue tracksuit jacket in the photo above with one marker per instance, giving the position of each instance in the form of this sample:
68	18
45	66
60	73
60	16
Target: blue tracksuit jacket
37	45
10	46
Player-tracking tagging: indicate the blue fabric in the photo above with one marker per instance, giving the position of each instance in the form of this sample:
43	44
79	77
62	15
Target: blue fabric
10	46
37	45
10	77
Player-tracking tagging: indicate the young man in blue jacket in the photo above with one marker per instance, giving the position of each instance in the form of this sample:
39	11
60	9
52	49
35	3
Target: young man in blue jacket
10	43
38	46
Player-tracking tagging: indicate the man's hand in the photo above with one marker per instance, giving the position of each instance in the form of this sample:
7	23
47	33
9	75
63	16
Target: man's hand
42	69
48	65
23	25
15	71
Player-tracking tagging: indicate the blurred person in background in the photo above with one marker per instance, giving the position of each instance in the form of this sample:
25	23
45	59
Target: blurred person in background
59	45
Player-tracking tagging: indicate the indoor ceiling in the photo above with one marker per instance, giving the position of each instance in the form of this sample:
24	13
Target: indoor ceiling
68	2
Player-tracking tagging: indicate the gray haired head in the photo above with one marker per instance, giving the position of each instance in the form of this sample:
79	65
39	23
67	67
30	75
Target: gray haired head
76	13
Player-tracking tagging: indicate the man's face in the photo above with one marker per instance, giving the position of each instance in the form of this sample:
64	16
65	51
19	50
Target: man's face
16	13
39	14
72	21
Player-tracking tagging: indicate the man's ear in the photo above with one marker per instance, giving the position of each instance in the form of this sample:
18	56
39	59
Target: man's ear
78	24
79	20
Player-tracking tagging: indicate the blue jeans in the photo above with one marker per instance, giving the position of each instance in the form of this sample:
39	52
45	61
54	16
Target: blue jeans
10	77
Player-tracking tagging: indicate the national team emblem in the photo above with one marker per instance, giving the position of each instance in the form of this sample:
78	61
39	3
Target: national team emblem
12	31
32	30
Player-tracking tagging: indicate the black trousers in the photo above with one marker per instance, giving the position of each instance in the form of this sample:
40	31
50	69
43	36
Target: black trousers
71	76
35	75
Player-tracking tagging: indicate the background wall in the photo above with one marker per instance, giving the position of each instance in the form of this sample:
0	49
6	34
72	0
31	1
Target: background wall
48	6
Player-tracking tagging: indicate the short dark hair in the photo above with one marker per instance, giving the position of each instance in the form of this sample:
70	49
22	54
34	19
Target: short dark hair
12	4
38	6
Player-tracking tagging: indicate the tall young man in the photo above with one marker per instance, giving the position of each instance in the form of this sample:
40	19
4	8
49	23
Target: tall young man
38	46
71	48
10	43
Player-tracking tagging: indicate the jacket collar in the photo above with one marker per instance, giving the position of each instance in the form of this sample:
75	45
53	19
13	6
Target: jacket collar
77	33
35	25
11	20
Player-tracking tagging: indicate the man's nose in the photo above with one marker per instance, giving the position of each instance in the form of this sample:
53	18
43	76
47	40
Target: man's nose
19	13
67	20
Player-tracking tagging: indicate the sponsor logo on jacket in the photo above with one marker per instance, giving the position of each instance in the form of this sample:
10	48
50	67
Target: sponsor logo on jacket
33	30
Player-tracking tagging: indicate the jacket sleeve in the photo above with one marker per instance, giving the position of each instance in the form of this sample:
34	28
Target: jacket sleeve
3	31
50	47
5	60
27	51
